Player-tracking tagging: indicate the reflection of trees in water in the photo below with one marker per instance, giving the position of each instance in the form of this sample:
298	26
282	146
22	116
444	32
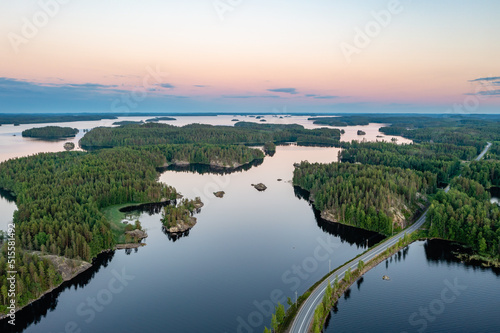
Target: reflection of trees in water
207	169
347	294
7	195
33	313
155	209
150	208
129	251
360	281
175	236
440	252
351	235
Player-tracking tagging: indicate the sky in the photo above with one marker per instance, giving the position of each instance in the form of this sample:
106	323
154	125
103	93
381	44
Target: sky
317	56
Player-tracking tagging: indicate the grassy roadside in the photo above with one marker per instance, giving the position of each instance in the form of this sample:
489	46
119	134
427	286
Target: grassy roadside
322	311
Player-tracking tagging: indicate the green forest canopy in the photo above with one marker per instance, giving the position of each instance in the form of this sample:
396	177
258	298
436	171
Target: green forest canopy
60	197
50	132
365	196
241	133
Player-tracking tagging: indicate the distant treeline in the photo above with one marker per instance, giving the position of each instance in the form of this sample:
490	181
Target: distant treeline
50	132
241	133
465	214
50	118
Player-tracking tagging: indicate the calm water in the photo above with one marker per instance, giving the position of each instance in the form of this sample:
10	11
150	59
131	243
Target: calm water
246	247
420	279
12	144
247	250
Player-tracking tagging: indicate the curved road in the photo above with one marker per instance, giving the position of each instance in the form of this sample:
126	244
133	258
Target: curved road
306	312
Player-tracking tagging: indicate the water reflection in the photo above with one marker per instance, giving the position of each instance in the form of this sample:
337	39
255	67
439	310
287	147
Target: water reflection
207	169
7	195
359	282
175	236
352	235
33	313
156	209
440	251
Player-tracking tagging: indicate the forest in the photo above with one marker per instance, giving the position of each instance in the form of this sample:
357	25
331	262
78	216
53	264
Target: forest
486	172
464	215
440	159
50	132
376	198
241	133
60	197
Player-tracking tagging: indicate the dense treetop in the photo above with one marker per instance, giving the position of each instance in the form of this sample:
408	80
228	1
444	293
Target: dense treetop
466	217
440	159
61	194
241	133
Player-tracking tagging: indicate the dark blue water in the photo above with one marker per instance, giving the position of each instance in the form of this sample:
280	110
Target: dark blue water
429	291
249	250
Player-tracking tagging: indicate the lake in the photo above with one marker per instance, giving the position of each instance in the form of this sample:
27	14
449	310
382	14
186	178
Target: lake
248	250
429	291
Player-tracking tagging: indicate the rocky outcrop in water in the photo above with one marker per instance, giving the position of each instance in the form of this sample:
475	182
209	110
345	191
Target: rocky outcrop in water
260	187
181	226
219	194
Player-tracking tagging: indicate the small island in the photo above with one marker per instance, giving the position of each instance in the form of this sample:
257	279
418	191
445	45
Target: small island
157	119
269	148
219	194
360	132
69	146
178	219
127	122
260	187
50	132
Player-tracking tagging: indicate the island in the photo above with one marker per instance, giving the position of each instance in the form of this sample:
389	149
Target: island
360	132
260	187
50	132
157	119
127	122
219	194
78	196
244	133
269	148
69	146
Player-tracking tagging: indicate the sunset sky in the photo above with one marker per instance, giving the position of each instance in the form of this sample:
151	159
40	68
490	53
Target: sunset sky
250	56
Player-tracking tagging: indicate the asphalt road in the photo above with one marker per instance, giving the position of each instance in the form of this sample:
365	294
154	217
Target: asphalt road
306	312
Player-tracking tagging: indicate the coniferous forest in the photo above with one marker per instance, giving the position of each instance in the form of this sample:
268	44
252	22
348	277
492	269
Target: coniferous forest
377	186
60	197
372	197
241	133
